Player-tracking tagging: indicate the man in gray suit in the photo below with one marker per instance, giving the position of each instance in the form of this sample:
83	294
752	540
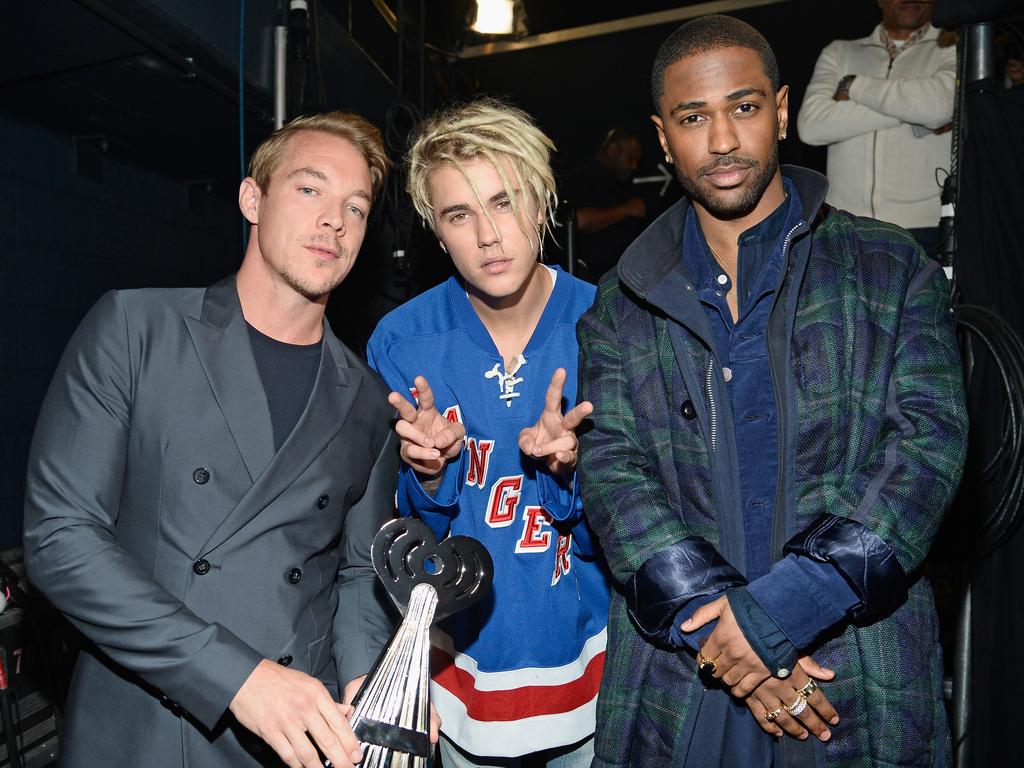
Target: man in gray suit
207	473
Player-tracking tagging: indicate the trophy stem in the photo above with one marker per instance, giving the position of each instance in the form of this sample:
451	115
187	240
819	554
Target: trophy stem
392	717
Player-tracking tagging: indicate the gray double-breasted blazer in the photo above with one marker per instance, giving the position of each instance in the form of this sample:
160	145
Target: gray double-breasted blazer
161	522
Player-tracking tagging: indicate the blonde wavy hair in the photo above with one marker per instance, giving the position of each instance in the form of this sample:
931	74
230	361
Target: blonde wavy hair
487	129
363	135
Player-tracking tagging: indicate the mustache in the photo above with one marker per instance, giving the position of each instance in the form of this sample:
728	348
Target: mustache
727	161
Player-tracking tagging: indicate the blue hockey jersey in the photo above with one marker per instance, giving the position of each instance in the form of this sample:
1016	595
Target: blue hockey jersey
518	672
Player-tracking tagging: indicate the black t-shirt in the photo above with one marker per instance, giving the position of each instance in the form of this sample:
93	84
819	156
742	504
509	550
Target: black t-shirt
288	372
593	186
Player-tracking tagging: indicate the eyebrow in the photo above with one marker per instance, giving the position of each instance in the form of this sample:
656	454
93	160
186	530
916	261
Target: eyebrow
734	96
307	171
462	207
317	174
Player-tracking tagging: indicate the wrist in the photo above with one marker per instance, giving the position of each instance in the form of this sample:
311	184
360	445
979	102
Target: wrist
844	85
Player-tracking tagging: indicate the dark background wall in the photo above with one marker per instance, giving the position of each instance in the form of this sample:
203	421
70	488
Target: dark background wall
64	240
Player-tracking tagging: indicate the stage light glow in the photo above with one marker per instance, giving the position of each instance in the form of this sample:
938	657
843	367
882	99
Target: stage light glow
494	17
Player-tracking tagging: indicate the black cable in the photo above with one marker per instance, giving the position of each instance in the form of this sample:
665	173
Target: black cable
1004	471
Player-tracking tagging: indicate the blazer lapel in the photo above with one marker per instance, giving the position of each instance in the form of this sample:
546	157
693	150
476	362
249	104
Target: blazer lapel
334	394
221	341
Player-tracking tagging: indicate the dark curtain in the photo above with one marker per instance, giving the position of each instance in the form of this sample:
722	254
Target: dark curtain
990	271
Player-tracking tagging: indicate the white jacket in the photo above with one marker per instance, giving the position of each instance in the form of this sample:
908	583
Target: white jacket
877	166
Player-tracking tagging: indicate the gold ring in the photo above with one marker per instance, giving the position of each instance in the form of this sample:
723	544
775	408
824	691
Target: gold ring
704	662
797	707
808	689
772	714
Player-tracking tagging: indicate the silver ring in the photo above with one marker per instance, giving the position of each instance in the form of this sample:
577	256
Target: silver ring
797	707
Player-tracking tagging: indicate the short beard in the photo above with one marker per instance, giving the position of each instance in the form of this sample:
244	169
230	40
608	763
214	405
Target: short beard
308	290
708	198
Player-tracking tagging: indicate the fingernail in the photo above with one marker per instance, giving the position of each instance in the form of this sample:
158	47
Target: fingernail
357	755
834	720
686	623
802	736
825	735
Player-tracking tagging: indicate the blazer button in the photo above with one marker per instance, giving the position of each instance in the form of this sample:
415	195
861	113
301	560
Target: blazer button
689	412
201	567
201	476
294	575
285	660
323	501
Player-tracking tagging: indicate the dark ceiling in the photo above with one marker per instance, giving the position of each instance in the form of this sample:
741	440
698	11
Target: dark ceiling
156	81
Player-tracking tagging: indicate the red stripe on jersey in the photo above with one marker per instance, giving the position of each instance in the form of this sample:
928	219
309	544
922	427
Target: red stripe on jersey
516	703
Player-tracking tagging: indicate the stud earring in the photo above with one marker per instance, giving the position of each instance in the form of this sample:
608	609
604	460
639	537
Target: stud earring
668	158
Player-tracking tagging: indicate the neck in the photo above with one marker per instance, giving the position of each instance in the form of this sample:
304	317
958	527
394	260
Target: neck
273	307
511	320
723	234
897	33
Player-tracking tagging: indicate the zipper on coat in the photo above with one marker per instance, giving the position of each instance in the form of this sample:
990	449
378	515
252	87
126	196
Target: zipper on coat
712	406
778	529
874	154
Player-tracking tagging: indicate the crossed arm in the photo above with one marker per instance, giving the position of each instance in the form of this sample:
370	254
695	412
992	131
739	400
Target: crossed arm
829	115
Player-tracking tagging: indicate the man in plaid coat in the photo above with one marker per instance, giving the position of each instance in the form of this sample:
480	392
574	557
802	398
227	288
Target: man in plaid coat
779	426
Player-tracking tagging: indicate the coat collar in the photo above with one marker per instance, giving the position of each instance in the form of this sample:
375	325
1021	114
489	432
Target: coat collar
221	340
875	38
653	256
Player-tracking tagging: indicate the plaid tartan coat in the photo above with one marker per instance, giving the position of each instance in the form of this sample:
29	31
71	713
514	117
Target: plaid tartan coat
872	426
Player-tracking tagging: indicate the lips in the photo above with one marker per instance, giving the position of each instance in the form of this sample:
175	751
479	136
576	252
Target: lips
496	266
322	252
727	176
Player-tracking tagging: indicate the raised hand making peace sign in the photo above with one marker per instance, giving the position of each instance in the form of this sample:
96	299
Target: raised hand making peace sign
553	437
429	440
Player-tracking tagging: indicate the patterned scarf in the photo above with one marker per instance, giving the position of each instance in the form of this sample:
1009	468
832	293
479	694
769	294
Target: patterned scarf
893	49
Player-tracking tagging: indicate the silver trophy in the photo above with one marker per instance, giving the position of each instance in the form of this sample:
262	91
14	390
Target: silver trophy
427	581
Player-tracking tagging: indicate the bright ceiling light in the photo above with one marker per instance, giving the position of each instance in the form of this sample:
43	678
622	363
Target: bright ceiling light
494	17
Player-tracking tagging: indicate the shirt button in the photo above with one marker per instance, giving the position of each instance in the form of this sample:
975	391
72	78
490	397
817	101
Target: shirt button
201	475
688	411
201	567
294	576
727	373
323	501
783	673
722	279
285	660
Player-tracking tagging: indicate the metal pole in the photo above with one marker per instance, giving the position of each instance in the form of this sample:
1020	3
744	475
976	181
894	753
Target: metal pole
962	685
981	60
570	238
280	75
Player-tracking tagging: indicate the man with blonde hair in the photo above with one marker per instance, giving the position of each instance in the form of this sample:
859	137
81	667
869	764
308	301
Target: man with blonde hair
208	470
483	367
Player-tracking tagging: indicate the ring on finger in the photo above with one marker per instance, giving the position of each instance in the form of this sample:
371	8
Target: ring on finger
771	714
703	662
797	707
808	689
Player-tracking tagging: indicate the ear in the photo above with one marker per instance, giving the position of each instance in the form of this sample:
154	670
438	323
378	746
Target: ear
661	135
782	110
249	199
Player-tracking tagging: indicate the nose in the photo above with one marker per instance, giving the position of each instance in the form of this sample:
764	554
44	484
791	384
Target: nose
333	219
486	232
722	137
